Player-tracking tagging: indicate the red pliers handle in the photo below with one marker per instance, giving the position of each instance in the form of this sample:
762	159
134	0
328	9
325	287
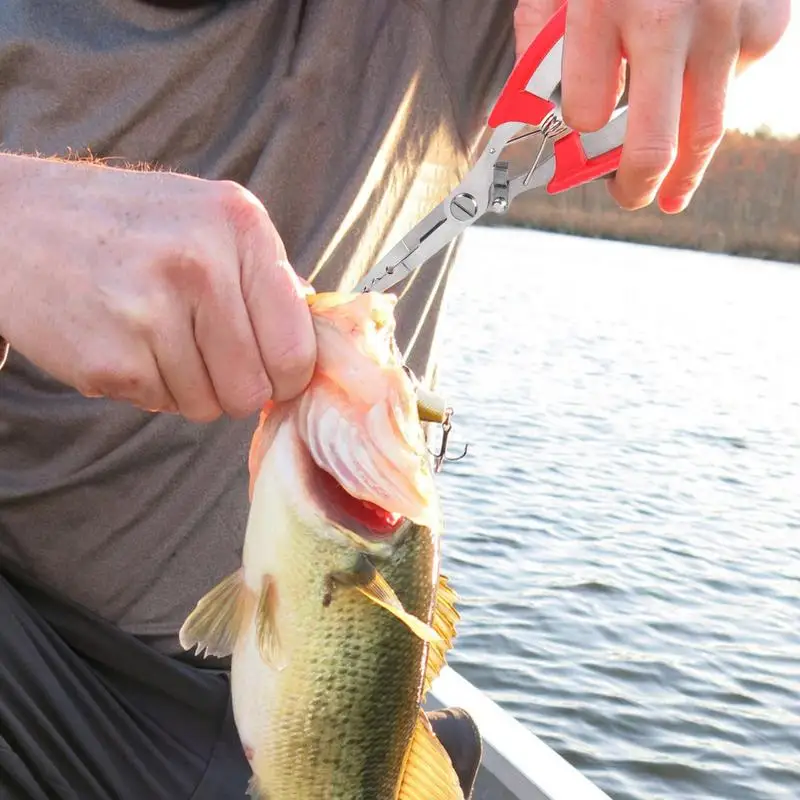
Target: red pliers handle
526	98
565	159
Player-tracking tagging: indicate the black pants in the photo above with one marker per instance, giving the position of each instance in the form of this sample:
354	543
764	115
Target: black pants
89	713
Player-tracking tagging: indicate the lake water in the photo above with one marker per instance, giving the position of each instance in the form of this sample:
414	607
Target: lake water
625	531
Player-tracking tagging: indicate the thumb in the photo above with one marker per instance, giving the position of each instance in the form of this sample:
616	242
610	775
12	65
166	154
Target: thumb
530	16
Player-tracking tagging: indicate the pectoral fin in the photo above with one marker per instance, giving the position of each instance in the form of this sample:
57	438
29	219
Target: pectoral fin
428	773
444	621
379	591
253	792
214	624
367	580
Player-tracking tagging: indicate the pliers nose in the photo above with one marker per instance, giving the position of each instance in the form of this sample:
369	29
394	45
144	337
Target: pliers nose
531	98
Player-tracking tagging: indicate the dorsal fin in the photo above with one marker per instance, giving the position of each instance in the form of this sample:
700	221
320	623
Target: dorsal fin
428	773
444	622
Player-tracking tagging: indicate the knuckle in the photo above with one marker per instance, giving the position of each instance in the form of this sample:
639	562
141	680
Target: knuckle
180	264
680	183
667	12
243	211
132	310
683	187
113	378
684	182
249	398
182	270
293	366
257	241
653	158
706	138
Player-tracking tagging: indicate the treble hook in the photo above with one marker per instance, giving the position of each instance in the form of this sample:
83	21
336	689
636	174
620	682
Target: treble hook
440	458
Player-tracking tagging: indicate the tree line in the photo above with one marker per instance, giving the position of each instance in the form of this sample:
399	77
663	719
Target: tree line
748	204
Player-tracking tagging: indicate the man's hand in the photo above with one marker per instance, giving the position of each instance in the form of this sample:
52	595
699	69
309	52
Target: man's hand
682	56
167	291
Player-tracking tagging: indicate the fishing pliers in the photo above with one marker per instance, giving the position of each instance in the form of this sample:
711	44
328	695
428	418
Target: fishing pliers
565	159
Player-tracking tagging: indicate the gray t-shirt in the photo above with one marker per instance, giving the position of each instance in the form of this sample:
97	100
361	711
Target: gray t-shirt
349	119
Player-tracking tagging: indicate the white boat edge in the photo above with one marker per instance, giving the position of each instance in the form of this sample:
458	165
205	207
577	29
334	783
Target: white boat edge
516	763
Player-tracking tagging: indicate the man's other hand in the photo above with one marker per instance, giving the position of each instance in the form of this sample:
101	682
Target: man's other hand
682	56
167	291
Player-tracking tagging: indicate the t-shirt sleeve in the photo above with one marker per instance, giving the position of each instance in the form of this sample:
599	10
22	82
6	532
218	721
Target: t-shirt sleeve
475	42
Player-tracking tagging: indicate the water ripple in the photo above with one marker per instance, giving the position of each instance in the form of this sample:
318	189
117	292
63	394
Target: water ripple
624	534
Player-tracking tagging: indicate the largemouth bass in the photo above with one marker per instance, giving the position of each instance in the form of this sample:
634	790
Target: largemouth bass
338	619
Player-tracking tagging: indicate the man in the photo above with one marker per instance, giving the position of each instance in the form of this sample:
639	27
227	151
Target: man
131	291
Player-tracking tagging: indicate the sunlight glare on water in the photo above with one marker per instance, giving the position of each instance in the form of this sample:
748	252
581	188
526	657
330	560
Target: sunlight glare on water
625	531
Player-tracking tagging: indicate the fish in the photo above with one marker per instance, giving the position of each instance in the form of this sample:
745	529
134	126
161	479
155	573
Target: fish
339	618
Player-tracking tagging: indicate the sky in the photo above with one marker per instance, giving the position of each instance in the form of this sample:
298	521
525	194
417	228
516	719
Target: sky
766	94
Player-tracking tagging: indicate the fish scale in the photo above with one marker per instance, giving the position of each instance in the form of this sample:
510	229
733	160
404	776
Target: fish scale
364	667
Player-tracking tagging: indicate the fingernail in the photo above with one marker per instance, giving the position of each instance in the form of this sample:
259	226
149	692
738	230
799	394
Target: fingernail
673	205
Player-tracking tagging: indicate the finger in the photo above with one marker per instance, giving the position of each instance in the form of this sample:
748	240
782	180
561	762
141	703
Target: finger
710	71
620	95
763	23
278	308
184	373
151	395
592	65
126	373
230	351
656	52
530	16
271	297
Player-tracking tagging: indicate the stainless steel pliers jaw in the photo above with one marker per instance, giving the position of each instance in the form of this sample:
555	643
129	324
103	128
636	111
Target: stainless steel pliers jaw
565	159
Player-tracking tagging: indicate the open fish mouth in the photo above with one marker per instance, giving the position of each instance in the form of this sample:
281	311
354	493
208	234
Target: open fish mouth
366	461
364	518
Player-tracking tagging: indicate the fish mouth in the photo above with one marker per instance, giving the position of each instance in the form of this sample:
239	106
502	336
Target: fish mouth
362	517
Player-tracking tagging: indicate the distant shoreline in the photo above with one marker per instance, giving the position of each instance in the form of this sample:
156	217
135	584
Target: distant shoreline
589	231
748	205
